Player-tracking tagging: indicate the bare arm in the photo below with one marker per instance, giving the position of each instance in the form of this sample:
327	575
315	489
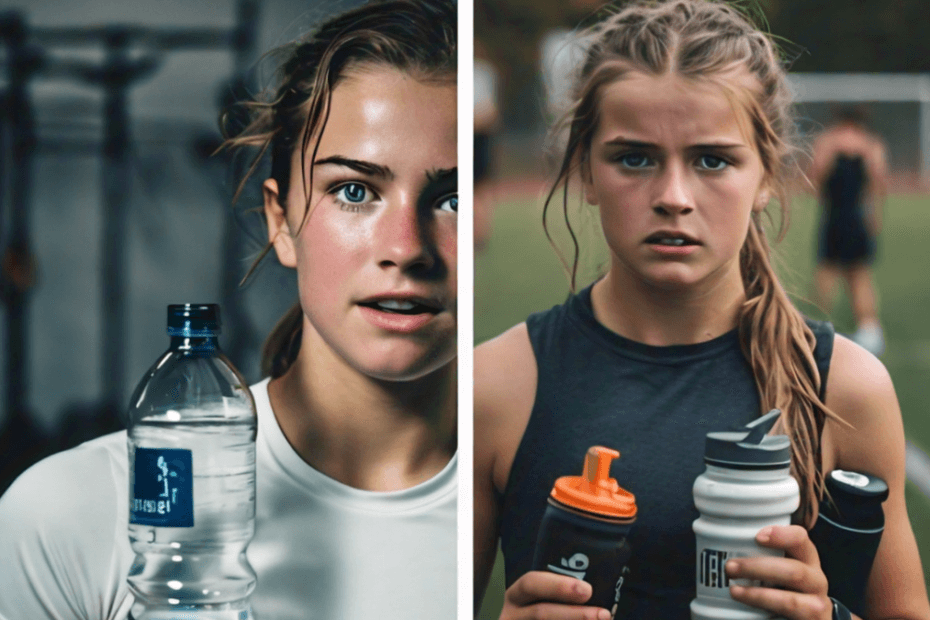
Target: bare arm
877	163
505	388
505	385
823	153
860	390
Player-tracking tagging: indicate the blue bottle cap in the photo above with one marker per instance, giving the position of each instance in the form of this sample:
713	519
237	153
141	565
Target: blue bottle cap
194	320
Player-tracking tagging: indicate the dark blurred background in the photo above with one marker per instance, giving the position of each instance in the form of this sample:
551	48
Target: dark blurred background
112	207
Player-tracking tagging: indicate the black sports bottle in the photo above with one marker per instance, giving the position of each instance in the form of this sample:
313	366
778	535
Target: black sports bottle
584	529
847	533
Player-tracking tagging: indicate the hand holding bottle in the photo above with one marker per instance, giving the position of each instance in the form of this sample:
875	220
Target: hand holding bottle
543	594
796	587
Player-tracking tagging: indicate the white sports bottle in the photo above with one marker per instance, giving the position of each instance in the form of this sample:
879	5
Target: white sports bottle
747	486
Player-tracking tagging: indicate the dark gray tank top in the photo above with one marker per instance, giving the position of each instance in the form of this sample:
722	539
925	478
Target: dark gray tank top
653	404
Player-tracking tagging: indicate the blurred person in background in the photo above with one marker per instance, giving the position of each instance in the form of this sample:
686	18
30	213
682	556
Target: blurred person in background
849	172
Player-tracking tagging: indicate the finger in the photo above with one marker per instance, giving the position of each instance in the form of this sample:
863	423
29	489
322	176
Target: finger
556	611
783	603
782	572
539	586
792	539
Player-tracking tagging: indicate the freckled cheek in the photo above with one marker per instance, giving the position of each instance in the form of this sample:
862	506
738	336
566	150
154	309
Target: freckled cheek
447	247
331	252
620	215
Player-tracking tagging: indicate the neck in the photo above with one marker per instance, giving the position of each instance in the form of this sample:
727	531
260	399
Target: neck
367	433
667	316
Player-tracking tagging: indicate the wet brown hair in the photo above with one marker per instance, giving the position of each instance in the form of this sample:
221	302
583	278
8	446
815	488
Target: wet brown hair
715	42
417	37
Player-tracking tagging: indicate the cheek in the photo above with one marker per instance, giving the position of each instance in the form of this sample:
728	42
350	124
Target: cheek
447	242
329	250
620	208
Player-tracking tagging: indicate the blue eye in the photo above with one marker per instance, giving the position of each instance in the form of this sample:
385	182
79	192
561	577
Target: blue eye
353	194
449	203
712	162
634	160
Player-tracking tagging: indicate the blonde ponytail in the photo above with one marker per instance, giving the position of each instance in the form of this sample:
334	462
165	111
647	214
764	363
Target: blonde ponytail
779	346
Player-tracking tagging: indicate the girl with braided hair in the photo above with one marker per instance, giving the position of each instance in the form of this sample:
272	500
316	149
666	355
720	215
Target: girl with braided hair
680	135
356	480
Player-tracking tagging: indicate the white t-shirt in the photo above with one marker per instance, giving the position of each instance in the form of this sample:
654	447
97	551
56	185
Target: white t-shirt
322	550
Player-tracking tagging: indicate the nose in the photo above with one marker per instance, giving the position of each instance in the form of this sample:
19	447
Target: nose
673	193
403	239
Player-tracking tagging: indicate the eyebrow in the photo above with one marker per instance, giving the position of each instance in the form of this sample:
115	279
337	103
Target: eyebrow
637	144
365	167
442	174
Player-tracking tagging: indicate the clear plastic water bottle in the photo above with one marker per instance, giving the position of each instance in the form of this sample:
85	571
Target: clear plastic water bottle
191	437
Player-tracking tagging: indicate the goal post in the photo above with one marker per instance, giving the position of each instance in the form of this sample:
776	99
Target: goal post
873	87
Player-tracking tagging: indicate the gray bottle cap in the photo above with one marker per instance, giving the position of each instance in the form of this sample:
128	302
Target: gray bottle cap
749	447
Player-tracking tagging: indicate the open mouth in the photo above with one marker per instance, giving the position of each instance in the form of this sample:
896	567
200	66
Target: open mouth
398	306
672	240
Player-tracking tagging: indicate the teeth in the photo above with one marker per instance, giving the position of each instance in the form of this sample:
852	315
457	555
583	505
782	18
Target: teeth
670	241
393	304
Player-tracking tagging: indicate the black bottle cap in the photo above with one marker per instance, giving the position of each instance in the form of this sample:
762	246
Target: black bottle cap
750	447
855	500
861	486
194	320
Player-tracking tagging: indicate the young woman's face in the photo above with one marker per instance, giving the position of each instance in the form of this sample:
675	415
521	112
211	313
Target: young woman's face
376	258
675	180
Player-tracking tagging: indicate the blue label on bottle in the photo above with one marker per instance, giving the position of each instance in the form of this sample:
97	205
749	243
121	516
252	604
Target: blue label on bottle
163	491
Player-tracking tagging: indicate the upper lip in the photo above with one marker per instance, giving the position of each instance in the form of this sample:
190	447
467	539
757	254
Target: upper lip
427	300
671	234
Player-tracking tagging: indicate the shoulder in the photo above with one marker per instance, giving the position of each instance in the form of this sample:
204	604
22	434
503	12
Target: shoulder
502	365
861	393
79	477
825	140
63	522
877	150
505	389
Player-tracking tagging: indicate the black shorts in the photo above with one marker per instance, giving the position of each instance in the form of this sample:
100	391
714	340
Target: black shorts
845	241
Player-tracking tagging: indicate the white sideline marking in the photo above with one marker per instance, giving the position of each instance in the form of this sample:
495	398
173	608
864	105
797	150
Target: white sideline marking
918	468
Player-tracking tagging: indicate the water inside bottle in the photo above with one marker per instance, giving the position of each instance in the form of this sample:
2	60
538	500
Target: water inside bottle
205	563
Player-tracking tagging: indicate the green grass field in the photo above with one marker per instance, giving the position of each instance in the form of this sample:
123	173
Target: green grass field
519	273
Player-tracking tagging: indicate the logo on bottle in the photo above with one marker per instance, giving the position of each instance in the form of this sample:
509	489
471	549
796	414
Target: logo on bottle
575	566
162	491
712	572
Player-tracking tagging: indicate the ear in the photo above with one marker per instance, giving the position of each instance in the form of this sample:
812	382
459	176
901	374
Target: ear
762	199
279	232
587	182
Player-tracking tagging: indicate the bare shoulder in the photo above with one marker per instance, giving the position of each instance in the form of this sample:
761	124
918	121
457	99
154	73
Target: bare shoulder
504	392
504	366
860	392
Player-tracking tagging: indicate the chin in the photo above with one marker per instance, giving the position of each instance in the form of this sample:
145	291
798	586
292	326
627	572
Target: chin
402	366
675	279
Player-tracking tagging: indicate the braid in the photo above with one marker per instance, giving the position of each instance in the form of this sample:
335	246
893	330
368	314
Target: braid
779	346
